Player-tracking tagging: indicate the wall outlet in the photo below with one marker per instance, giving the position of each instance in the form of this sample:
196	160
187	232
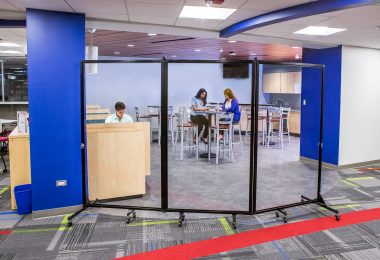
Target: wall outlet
61	183
304	102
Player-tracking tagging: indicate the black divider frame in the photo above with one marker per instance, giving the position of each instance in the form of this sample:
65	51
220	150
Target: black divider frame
164	143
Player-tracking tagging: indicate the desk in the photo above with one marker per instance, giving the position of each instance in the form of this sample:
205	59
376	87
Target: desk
19	160
118	159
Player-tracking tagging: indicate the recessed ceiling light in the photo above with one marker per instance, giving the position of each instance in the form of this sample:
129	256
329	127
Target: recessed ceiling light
174	56
202	12
253	54
116	52
232	53
152	34
296	47
221	50
319	30
10	52
131	45
223	58
9	44
197	50
231	41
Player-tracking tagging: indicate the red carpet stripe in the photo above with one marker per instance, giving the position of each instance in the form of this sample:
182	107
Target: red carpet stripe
259	236
5	232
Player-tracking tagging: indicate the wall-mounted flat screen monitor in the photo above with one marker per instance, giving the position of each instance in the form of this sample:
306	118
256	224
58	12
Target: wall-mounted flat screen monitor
235	70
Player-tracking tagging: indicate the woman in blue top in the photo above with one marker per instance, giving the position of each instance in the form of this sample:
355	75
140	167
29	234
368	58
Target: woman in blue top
231	105
198	104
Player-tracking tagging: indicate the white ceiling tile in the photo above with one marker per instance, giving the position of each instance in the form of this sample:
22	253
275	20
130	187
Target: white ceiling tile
271	5
12	15
56	5
98	6
224	24
165	2
362	14
309	20
152	19
240	14
301	37
235	4
280	28
107	16
197	23
157	10
4	5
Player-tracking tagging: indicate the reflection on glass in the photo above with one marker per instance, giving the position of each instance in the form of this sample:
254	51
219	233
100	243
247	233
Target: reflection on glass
15	79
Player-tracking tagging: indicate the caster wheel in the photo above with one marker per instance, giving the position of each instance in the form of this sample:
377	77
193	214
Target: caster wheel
285	220
234	226
337	217
277	215
183	217
180	224
134	215
69	224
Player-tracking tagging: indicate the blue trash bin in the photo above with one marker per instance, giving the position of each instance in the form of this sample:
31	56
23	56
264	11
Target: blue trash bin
23	195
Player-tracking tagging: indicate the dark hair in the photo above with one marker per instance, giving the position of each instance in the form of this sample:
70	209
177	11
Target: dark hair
119	106
198	95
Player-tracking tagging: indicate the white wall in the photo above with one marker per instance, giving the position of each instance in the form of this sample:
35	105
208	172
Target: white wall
360	106
140	85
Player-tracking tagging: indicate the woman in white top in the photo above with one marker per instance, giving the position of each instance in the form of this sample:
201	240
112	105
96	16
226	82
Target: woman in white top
198	104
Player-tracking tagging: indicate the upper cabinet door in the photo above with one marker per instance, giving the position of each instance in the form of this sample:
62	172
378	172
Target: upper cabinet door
297	82
272	83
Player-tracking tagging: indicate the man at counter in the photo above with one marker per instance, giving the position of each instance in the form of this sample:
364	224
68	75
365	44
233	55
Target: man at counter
119	116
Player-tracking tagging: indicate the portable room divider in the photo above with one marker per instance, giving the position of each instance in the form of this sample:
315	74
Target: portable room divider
253	149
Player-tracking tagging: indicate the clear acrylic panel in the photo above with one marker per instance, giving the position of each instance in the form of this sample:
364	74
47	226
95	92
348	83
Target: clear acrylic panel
288	134
124	158
197	179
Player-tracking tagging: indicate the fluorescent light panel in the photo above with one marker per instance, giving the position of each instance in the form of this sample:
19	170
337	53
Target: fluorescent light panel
9	44
202	12
319	30
10	52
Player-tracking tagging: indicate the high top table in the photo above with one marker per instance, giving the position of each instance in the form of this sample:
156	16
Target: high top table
209	115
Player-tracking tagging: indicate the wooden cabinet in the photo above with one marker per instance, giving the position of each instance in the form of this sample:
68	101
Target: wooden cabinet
19	160
284	82
118	159
272	83
295	122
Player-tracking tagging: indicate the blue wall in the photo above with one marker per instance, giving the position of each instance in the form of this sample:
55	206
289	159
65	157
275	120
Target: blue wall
311	79
56	45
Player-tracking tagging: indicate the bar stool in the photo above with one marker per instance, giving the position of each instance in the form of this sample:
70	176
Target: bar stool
185	126
171	117
275	116
238	125
142	115
261	118
285	112
223	122
155	112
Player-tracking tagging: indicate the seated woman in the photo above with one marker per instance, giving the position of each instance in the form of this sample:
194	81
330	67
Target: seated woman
231	105
198	104
119	116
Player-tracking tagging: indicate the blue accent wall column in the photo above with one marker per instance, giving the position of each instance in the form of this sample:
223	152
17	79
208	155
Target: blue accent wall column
311	91
56	45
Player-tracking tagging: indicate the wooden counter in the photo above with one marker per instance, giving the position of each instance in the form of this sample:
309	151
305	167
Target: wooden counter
19	160
118	159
